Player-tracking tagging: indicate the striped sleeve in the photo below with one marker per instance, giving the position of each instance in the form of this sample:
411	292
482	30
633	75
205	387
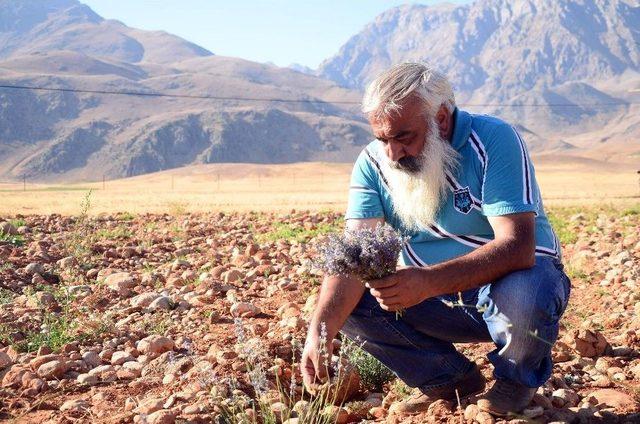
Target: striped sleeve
364	196
508	185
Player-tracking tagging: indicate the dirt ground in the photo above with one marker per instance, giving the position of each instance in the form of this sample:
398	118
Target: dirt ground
154	318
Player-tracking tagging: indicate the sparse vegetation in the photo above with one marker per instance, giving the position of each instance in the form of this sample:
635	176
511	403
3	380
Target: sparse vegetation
118	233
293	232
16	240
56	331
373	374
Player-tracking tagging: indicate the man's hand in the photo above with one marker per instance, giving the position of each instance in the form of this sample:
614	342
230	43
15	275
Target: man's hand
405	288
314	361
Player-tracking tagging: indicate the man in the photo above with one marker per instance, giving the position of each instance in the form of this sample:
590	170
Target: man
483	261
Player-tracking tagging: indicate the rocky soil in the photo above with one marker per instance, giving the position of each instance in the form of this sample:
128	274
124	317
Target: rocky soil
162	319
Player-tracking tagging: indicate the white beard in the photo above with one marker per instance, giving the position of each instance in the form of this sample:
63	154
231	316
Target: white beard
417	196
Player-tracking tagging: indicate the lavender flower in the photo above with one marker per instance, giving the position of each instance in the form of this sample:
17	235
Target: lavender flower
368	253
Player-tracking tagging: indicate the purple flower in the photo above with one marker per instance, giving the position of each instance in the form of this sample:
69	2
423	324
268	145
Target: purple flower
368	253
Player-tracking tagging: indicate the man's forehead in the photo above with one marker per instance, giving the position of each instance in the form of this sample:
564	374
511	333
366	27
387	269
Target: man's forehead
411	112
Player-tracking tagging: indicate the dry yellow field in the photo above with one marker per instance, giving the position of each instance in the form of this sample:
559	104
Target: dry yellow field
314	186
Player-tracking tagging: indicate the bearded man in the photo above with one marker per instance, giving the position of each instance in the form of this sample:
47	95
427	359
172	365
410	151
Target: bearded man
482	263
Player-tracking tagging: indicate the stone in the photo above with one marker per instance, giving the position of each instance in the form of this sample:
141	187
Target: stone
79	291
5	360
588	343
121	282
162	303
34	268
144	300
13	378
378	412
244	310
154	345
91	358
232	275
87	379
470	412
149	406
102	370
53	369
8	229
164	416
68	262
440	409
564	398
120	357
618	400
484	418
75	407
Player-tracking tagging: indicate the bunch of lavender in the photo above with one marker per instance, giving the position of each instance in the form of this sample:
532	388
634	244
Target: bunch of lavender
367	253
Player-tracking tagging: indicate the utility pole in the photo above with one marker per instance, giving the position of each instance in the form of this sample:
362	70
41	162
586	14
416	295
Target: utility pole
24	182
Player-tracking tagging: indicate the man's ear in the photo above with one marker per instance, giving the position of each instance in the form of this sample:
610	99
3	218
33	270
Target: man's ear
444	121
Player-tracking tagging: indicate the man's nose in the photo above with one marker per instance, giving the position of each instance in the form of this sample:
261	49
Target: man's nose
395	150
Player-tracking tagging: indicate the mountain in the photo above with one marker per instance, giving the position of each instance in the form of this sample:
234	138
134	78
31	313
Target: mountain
71	135
43	26
573	60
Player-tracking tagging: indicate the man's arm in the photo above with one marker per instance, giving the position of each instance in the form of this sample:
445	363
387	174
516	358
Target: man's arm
512	249
338	296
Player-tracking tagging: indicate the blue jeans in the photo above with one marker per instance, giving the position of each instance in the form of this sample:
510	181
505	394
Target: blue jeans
519	313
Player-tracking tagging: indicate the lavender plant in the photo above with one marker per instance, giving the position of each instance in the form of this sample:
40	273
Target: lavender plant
367	253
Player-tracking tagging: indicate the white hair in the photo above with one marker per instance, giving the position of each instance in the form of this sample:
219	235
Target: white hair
418	196
388	92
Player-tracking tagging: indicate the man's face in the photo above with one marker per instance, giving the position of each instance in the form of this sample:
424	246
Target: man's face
403	135
418	158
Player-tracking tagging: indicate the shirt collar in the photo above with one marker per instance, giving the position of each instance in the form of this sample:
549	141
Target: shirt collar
461	128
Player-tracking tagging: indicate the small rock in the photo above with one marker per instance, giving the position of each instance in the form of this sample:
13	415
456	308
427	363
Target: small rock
34	268
91	358
75	407
144	300
164	416
120	357
8	228
149	406
154	345
232	275
53	369
564	398
87	379
470	412
5	360
622	402
484	418
121	282
588	343
244	310
163	303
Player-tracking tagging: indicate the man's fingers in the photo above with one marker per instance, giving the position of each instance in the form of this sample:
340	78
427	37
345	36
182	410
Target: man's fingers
391	307
384	293
381	283
393	301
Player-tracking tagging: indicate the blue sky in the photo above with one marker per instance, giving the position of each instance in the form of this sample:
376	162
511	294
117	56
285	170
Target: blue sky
278	31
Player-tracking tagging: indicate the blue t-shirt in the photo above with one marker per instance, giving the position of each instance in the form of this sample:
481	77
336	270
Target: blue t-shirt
496	177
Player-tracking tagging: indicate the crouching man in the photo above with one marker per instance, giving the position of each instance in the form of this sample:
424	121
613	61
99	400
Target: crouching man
482	263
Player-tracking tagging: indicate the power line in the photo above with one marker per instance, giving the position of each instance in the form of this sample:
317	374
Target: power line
279	100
